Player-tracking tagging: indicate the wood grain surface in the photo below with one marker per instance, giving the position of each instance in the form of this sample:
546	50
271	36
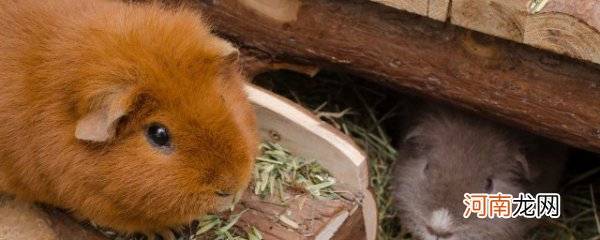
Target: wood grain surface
535	90
568	27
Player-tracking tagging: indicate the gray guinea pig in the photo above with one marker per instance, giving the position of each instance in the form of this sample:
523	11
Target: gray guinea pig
446	154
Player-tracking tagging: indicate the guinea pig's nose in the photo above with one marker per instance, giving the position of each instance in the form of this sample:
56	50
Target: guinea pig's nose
222	193
440	234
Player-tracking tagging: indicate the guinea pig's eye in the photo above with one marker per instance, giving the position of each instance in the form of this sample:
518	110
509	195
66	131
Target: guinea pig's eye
158	135
489	185
426	167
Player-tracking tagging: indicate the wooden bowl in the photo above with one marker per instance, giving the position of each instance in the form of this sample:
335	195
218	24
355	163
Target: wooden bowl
304	135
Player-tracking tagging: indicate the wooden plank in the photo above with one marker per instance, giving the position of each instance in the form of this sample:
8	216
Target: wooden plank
436	9
279	10
568	27
418	7
521	86
315	220
501	18
21	220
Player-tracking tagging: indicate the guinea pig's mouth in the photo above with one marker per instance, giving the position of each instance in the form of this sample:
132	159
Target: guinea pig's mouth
238	196
440	226
227	201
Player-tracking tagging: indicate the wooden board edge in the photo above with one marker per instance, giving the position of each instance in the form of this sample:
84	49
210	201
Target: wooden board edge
305	119
311	124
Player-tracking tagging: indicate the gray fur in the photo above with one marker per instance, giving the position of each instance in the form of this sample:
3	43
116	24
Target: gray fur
463	151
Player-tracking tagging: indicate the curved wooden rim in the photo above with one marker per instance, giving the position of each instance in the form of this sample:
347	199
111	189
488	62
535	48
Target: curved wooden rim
320	135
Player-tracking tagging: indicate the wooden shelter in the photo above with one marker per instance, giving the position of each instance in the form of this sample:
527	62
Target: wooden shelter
553	95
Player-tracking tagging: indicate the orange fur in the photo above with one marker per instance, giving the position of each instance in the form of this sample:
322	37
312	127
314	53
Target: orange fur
61	60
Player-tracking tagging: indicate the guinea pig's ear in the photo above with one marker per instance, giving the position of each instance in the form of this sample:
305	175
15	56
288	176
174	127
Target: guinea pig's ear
99	124
415	144
230	54
522	161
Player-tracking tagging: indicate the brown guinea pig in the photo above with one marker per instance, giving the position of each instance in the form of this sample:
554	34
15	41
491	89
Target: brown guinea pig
131	115
446	154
